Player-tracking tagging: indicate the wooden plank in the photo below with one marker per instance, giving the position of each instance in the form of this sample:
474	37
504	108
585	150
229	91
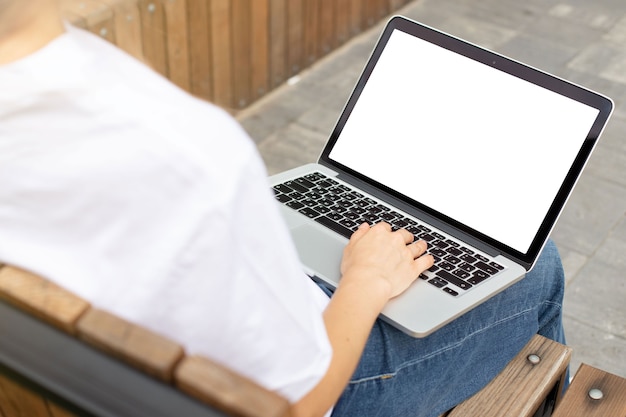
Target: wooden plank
41	298
311	26
342	21
356	17
127	26
327	27
295	37
578	403
135	345
225	390
200	48
18	401
278	42
98	17
177	42
242	51
153	35
75	20
260	32
221	47
57	411
522	386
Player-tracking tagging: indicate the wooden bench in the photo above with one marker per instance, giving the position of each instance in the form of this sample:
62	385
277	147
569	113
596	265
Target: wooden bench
61	357
230	52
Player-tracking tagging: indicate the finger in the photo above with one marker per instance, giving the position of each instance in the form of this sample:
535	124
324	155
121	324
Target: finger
418	248
424	262
406	235
359	232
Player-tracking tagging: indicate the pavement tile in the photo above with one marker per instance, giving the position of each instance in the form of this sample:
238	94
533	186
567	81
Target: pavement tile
605	59
542	54
563	31
613	251
291	147
594	347
596	297
608	163
573	262
594	208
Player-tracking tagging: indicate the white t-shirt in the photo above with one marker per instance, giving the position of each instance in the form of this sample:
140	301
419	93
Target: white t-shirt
155	206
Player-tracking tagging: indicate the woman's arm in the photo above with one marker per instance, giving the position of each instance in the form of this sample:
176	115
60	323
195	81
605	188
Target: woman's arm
377	265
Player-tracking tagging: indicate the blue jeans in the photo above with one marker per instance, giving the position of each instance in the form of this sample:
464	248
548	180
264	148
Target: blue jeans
402	376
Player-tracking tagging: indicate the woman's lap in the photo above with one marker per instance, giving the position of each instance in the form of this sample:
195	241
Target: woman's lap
401	375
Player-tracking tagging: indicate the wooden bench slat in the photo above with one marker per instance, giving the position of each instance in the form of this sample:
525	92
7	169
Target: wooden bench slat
41	298
19	401
137	346
521	387
225	390
577	402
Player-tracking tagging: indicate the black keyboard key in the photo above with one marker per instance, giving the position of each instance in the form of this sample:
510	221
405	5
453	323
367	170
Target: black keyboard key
481	258
453	243
314	177
335	216
468	258
438	236
439	243
488	269
309	212
452	279
439	283
400	223
371	218
283	188
283	198
388	217
322	209
296	186
348	223
437	252
294	205
446	266
467	267
454	251
325	184
461	274
477	278
450	291
452	259
427	237
331	224
304	182
468	251
352	215
496	265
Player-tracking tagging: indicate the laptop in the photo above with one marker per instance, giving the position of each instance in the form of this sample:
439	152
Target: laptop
469	150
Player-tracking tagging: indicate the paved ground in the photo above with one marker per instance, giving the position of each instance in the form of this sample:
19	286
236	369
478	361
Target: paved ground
581	40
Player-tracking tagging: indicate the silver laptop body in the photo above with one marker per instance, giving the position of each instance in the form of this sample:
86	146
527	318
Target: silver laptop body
470	150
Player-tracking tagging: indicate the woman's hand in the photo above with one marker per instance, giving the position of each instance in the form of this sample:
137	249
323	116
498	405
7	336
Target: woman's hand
375	252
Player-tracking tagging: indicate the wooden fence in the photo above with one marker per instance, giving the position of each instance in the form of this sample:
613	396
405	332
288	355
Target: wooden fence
230	52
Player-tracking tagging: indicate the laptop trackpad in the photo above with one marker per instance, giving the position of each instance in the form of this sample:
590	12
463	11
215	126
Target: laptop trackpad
320	251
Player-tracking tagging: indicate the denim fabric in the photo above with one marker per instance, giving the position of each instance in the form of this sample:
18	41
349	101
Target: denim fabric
402	376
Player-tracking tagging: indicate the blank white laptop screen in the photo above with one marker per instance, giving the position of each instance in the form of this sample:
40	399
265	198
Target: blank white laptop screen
425	108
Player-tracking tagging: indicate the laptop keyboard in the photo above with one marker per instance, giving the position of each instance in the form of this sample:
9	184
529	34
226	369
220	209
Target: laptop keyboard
457	268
